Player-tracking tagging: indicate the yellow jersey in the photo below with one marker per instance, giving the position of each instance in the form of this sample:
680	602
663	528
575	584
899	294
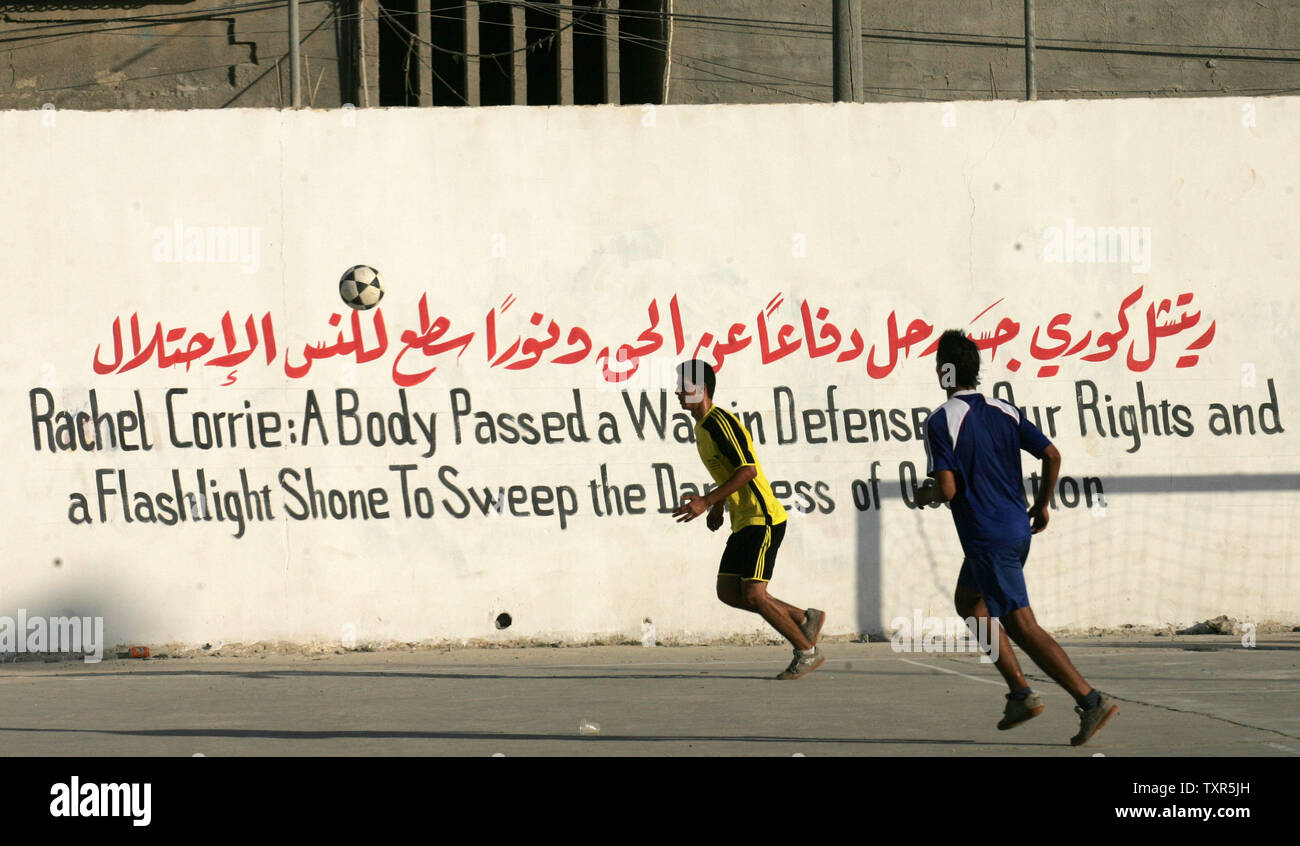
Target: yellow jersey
725	446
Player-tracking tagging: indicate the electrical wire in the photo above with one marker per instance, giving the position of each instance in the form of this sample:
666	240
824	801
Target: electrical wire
396	24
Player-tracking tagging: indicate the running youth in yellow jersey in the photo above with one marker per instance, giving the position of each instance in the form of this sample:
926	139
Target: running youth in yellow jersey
757	520
725	446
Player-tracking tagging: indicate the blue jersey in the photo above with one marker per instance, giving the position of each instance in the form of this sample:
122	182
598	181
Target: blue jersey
979	439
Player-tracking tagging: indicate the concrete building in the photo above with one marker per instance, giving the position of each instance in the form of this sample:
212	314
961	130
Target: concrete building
91	54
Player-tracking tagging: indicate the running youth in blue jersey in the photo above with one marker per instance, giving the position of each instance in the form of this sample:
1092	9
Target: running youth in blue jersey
972	446
979	439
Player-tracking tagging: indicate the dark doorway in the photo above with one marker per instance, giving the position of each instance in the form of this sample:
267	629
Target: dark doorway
399	72
588	53
641	49
496	74
447	32
543	57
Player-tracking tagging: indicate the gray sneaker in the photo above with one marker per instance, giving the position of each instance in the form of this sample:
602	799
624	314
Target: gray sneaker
1091	721
813	620
1021	711
802	665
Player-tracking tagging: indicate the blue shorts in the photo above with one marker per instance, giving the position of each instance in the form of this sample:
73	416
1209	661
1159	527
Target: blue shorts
999	575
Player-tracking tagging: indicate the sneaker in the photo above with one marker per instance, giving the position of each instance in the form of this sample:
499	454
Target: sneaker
802	665
1020	711
1091	721
813	620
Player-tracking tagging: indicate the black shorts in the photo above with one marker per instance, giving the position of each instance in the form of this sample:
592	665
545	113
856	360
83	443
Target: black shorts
751	552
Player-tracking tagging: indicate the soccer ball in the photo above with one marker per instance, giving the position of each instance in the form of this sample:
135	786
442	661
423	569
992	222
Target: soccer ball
361	287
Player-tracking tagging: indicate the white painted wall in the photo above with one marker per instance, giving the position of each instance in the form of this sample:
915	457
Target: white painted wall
586	216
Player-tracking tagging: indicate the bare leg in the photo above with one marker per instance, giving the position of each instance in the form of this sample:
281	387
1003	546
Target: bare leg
729	592
970	604
796	614
773	610
1045	651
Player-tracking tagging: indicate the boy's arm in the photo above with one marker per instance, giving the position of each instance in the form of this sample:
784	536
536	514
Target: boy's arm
1038	513
693	506
942	488
939	463
714	521
1033	441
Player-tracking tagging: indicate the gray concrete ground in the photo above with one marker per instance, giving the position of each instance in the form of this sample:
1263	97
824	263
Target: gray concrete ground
1180	696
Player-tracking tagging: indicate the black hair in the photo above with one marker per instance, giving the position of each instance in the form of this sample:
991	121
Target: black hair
698	372
959	351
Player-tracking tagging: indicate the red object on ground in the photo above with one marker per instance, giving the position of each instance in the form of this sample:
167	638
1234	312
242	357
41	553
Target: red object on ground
139	652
